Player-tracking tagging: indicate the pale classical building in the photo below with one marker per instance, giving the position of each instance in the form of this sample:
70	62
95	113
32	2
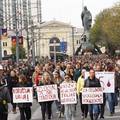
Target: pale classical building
52	33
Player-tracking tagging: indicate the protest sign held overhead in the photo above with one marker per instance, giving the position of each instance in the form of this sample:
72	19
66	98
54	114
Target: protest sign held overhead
47	93
22	94
107	80
68	93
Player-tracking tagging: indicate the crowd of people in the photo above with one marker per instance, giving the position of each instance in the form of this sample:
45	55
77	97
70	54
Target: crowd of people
67	71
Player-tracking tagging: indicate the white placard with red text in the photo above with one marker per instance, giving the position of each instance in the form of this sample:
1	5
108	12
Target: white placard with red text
68	93
47	93
92	95
107	80
22	94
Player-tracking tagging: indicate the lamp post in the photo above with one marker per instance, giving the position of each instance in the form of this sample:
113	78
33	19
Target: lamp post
55	52
73	45
0	44
33	43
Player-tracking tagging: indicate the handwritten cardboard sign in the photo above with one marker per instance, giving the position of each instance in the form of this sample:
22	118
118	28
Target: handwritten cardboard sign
107	80
47	93
68	93
92	95
22	94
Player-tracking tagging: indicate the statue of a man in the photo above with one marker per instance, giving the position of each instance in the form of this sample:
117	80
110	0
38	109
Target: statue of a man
86	19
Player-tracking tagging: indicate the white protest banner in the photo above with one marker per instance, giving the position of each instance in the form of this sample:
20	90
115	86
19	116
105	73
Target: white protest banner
47	93
107	80
92	95
22	94
68	93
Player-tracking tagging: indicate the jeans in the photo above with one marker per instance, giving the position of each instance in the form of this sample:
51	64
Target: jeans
94	108
70	111
94	111
110	97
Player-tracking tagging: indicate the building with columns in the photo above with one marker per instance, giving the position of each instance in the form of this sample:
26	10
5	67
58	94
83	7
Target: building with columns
52	34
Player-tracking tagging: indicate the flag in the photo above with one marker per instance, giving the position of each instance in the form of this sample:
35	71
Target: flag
4	33
13	39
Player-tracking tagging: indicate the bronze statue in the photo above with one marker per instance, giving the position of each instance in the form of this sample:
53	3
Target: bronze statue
86	19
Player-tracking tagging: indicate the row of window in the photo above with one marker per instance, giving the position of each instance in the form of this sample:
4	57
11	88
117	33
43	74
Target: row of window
5	44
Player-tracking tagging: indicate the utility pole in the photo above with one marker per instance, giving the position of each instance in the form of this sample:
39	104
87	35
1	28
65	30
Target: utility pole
1	26
0	44
73	45
39	20
33	43
17	32
55	52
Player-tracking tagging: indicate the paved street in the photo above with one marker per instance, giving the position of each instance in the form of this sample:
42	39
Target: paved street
36	113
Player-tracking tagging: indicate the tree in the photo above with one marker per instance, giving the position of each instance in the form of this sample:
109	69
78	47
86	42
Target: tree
106	30
22	52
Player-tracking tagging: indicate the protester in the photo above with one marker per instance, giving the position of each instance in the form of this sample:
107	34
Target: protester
69	108
58	68
92	81
111	97
46	107
4	97
80	85
13	81
25	108
58	80
77	72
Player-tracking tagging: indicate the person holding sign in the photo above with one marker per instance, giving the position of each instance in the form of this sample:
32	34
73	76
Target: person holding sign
46	106
69	108
92	81
25	108
58	80
80	85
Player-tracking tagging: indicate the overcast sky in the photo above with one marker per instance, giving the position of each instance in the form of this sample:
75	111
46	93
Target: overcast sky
70	10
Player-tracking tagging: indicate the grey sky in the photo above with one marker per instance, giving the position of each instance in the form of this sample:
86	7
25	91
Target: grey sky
70	10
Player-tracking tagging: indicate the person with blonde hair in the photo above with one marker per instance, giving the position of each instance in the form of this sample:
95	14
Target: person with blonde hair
46	107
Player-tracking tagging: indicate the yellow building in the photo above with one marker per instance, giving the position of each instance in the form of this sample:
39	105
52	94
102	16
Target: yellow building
52	33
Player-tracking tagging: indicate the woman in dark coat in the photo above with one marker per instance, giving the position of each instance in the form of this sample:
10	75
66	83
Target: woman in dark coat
46	107
25	108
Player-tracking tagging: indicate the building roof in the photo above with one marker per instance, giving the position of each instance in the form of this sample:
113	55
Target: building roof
54	23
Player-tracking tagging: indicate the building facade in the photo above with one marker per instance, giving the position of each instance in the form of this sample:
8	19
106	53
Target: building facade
53	34
7	43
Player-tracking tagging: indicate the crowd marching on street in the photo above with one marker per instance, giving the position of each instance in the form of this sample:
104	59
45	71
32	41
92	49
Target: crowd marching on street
69	71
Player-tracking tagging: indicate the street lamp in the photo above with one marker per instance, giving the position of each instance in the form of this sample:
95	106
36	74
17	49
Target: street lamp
0	44
55	52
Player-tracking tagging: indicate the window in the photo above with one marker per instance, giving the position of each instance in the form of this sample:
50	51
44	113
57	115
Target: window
5	52
77	42
5	44
57	48
54	39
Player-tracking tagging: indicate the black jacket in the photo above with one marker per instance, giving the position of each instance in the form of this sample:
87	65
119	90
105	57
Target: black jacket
4	99
24	105
92	83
